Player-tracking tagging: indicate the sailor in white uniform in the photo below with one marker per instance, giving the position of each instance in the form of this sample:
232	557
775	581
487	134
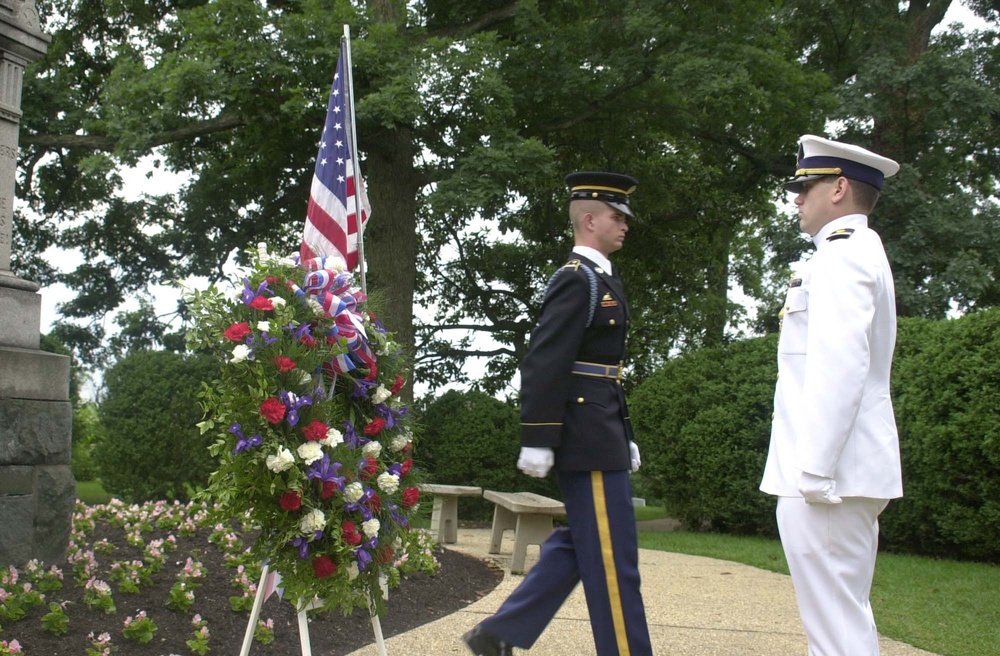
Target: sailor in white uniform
834	454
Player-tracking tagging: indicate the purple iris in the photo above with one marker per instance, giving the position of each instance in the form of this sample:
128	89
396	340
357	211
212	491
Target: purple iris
249	295
293	402
396	515
304	330
361	505
390	415
302	543
326	471
244	443
351	436
361	388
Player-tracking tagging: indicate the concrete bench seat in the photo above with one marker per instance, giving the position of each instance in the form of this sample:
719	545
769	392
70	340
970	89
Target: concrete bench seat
529	514
444	518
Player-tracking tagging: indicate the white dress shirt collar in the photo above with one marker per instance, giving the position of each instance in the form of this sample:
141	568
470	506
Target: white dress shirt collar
848	221
594	256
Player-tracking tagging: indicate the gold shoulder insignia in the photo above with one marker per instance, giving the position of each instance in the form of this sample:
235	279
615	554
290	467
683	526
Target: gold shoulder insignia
572	264
843	233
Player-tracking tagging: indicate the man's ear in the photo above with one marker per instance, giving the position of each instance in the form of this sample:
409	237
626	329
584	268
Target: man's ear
841	190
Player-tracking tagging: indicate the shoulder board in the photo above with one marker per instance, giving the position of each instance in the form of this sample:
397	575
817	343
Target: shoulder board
572	264
843	233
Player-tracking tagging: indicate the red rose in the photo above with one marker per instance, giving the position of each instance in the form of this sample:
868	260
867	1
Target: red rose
323	566
351	535
237	332
410	497
329	489
261	303
273	410
405	467
284	364
308	340
374	427
373	372
375	503
290	501
398	385
385	554
315	431
407	448
272	279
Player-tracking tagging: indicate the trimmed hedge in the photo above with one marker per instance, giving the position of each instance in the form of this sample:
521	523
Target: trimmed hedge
151	448
703	425
471	438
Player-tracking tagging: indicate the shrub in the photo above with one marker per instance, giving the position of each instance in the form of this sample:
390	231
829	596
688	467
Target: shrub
86	432
151	448
471	438
702	423
946	392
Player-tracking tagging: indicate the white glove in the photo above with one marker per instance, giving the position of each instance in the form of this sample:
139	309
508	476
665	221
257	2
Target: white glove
633	451
818	489
536	460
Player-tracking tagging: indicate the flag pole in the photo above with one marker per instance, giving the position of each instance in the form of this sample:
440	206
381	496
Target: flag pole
356	157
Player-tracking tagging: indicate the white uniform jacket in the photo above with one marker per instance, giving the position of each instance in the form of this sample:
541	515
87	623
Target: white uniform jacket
832	412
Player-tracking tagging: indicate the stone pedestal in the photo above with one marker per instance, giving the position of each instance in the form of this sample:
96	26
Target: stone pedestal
37	490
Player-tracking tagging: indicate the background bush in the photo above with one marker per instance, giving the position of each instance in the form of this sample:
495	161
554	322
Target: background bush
151	448
470	438
946	392
703	424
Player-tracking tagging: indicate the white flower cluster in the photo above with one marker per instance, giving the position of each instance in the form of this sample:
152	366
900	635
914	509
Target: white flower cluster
280	461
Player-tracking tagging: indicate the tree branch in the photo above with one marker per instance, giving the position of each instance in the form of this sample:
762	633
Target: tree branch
98	142
484	22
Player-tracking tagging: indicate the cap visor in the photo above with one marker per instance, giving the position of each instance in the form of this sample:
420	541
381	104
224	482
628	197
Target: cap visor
795	184
621	207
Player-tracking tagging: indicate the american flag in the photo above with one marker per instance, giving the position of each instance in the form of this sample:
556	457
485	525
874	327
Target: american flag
337	188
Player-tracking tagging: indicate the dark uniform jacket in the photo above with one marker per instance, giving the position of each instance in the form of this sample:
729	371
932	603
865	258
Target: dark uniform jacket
584	418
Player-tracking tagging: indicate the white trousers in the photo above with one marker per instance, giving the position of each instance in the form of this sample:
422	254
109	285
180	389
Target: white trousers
831	552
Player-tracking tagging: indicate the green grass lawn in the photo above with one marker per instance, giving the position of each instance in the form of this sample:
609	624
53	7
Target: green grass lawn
91	493
945	607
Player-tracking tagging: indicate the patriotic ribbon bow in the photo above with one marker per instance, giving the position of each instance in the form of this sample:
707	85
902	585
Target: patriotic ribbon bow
332	290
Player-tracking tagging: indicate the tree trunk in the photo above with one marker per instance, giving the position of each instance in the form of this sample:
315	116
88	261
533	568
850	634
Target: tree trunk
391	235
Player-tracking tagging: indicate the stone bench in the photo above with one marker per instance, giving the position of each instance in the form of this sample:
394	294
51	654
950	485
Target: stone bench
529	514
444	518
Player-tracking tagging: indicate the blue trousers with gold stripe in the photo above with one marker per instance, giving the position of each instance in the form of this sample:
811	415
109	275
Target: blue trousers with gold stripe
599	548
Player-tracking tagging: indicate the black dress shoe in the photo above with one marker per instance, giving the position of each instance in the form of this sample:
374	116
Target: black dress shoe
481	643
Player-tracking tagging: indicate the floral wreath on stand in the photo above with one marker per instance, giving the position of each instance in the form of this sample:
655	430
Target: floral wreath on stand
313	442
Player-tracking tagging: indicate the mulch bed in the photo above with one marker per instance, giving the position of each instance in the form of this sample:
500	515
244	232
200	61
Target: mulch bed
419	599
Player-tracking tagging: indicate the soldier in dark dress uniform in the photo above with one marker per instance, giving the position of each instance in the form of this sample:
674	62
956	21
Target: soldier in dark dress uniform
574	416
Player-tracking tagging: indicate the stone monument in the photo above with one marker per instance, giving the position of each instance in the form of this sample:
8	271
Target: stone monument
37	490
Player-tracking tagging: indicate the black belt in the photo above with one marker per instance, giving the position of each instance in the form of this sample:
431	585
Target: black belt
598	370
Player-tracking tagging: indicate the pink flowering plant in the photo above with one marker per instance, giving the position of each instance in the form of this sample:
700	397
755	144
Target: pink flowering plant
312	440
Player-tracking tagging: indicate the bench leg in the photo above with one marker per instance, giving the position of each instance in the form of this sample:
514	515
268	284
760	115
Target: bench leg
502	520
531	529
444	519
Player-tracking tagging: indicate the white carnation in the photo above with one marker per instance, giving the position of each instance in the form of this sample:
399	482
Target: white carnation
310	452
263	326
278	302
400	441
240	353
313	521
280	461
305	378
381	394
353	492
372	449
389	483
352	571
333	438
371	527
